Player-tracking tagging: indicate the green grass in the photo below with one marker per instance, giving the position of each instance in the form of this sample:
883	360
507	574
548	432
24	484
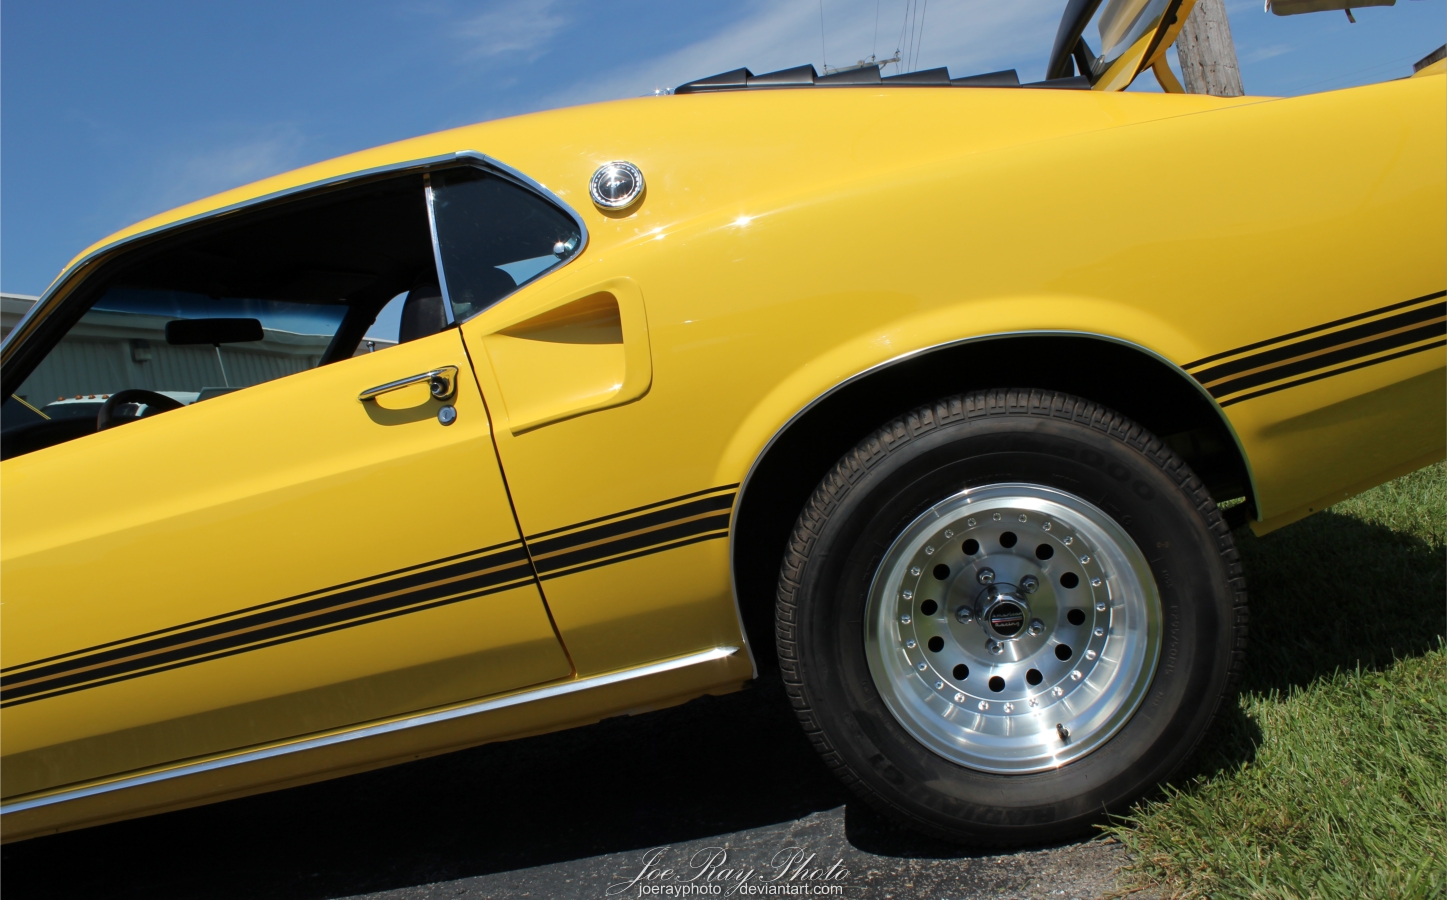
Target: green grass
1328	778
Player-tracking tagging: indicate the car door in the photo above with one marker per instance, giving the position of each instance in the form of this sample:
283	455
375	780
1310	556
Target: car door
277	560
613	473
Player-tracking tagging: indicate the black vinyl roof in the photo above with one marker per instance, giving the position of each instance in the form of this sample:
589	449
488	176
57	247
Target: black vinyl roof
866	76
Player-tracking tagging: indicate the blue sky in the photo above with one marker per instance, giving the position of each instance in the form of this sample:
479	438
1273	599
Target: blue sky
110	112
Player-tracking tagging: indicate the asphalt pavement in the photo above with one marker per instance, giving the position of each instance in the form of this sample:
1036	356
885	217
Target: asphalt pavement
721	790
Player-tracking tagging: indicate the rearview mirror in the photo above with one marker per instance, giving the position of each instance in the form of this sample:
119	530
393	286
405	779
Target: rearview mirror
213	331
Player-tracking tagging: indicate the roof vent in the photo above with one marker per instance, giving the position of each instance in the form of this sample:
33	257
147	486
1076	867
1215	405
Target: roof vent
864	76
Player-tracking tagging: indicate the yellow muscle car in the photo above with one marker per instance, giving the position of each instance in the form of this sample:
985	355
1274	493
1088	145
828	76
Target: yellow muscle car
678	388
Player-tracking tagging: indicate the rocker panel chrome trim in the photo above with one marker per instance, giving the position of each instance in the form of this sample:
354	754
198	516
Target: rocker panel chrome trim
471	709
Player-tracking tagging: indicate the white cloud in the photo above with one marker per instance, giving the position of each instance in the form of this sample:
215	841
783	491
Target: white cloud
224	161
516	28
969	36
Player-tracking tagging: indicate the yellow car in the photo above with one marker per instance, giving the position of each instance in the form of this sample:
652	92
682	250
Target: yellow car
679	388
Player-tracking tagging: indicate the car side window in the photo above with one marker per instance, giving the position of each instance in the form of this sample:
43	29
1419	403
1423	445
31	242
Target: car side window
223	306
494	236
185	346
276	290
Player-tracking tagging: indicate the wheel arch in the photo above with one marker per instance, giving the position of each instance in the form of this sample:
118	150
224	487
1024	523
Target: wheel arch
1122	375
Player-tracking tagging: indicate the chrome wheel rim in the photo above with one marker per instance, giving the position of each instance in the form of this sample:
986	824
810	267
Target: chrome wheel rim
1013	628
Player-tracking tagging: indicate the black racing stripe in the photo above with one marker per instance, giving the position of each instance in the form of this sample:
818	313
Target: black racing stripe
1326	360
1313	330
1312	345
632	542
629	512
285	639
623	526
344	605
267	605
412	601
1320	375
272	613
645	552
647	529
261	632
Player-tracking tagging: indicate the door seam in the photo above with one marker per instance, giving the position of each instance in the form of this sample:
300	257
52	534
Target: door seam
512	506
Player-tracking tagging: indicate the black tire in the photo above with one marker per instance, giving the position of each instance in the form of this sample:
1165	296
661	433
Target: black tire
992	437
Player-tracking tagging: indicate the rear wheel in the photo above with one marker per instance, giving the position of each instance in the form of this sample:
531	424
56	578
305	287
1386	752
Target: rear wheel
1007	613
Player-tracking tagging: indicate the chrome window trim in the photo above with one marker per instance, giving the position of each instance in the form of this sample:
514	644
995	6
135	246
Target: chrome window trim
753	467
415	721
437	252
42	307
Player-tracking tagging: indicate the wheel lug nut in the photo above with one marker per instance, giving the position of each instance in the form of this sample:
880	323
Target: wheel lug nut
995	647
1030	583
1036	626
964	614
986	576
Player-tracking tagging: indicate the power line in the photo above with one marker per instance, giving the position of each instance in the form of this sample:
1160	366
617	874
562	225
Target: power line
1346	76
924	8
909	38
874	51
822	51
903	30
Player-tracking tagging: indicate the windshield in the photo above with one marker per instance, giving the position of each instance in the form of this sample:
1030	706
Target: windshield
1122	23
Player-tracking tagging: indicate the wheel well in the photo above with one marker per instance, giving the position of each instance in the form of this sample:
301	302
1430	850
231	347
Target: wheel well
1126	378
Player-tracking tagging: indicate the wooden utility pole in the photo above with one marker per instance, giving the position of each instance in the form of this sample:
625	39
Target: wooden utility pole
1207	53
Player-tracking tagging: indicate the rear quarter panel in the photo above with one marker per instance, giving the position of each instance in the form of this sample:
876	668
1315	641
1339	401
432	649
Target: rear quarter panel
832	237
792	240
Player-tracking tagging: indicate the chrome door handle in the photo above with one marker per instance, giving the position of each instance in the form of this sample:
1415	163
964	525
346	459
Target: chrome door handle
442	381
